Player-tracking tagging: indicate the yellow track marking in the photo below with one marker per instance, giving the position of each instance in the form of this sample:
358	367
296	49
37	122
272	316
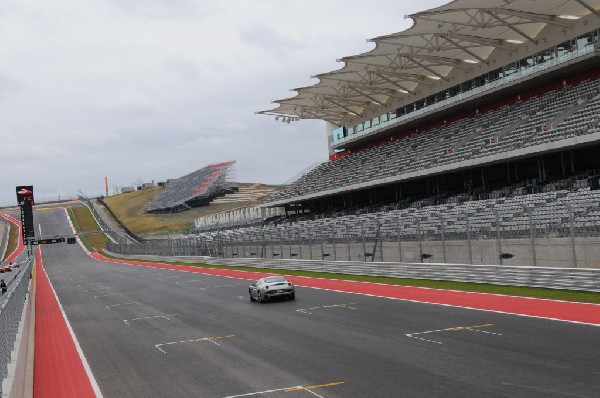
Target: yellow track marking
337	383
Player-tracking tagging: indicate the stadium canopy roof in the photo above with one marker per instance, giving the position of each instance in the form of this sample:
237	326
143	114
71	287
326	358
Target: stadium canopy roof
458	35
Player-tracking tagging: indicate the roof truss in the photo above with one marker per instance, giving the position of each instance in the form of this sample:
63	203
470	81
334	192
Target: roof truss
442	40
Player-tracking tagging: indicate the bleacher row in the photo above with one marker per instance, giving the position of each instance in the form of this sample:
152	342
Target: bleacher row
555	115
203	184
551	212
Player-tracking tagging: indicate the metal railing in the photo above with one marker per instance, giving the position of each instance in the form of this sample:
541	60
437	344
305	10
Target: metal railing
11	309
544	234
518	232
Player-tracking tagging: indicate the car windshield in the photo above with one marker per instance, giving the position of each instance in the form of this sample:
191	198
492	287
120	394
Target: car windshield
272	279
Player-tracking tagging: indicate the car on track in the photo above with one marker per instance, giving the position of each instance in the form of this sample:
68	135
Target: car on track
271	287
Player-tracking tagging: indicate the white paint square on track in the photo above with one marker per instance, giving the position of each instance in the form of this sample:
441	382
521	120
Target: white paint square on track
476	328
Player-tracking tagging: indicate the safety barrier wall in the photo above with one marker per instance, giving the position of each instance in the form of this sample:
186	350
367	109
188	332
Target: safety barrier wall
554	278
4	235
11	314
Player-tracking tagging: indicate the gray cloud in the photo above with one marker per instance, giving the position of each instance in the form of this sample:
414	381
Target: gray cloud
153	90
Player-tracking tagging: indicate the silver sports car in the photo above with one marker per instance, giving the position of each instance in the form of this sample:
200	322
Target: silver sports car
271	287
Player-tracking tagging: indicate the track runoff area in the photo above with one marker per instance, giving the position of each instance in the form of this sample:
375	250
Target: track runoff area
116	329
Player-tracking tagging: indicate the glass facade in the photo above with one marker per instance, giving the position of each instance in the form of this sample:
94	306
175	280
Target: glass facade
515	70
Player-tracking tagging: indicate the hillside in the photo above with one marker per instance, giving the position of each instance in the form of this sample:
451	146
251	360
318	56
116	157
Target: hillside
129	209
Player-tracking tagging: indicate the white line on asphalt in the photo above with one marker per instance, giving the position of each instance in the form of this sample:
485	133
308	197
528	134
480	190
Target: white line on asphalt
484	331
116	305
313	393
212	287
191	280
210	339
97	288
306	310
262	392
290	389
454	329
108	295
452	305
149	317
84	361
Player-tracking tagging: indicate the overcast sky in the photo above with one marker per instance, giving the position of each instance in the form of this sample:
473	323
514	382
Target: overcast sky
149	90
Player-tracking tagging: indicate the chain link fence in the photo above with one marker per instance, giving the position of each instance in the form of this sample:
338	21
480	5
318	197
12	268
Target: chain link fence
11	309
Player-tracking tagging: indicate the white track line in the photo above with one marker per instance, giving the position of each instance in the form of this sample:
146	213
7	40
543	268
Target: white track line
453	329
191	280
306	310
84	361
108	295
148	317
261	392
212	287
117	305
210	339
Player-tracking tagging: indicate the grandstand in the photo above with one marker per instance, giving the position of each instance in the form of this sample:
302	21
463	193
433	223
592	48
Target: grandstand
196	189
485	108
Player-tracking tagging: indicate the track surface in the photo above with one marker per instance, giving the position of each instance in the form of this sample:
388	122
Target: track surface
165	333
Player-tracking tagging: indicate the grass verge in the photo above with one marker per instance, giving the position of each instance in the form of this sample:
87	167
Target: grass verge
83	221
13	240
553	294
129	208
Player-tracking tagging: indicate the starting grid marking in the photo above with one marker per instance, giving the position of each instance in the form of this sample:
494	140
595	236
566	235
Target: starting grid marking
307	310
290	389
212	287
117	305
108	295
150	317
209	339
475	328
191	280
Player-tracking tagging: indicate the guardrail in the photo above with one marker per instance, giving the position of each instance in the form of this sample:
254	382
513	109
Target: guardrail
11	312
552	278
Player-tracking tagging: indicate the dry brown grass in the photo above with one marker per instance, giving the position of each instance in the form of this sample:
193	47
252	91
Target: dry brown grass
85	223
129	209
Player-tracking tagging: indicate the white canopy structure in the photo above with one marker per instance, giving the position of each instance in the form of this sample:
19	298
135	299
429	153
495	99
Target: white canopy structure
461	36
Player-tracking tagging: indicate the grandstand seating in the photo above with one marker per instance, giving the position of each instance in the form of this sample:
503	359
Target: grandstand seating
552	116
192	190
550	213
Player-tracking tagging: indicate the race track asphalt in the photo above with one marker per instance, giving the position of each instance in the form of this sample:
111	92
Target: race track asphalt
149	332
